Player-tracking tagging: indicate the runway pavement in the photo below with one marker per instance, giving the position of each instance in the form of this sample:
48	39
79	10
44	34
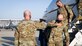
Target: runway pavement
7	37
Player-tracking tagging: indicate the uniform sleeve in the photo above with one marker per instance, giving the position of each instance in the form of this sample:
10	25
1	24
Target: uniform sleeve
67	39
51	25
17	35
40	25
70	12
16	38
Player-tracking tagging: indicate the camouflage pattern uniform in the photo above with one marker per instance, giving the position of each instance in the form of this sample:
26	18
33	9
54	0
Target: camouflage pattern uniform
80	7
56	38
68	15
79	10
56	35
65	11
25	34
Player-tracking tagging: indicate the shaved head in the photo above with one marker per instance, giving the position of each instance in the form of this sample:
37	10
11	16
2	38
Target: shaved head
60	17
27	15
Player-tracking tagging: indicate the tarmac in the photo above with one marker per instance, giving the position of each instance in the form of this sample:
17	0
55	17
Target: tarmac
7	37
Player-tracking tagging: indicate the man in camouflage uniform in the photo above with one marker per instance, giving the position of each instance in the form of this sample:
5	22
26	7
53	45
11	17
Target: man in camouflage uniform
65	10
67	13
25	34
56	36
79	10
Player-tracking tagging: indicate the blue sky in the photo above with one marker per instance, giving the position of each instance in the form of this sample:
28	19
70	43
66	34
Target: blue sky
13	9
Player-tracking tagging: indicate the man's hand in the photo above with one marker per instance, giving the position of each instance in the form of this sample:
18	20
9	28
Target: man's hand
67	44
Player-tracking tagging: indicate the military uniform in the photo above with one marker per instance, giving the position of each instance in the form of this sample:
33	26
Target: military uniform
56	38
67	12
68	15
56	35
25	34
80	7
79	10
